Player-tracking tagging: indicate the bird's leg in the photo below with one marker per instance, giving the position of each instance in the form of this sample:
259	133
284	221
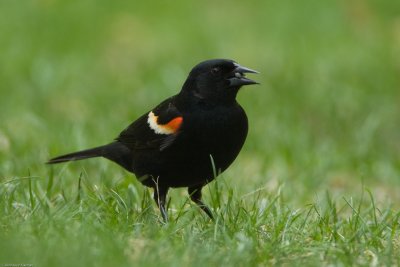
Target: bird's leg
195	196
160	196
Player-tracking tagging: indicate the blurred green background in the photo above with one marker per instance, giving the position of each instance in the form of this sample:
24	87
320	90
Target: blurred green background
326	116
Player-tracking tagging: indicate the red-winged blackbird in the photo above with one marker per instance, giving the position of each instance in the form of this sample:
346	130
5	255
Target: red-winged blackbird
188	138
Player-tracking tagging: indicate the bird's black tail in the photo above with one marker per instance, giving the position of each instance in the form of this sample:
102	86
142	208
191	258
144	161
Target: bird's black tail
116	151
84	154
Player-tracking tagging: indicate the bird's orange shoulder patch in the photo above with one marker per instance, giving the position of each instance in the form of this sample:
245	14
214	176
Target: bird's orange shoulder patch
174	124
170	127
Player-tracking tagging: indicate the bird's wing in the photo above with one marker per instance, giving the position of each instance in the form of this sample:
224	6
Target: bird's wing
157	129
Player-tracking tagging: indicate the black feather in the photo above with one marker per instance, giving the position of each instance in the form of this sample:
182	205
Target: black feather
84	154
115	151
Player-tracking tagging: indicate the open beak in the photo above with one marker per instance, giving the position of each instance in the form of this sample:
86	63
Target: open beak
237	76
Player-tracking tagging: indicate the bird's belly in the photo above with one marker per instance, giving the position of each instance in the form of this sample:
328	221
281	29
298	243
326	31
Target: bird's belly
189	163
187	169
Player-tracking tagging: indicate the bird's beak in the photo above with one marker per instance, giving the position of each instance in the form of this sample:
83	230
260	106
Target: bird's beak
237	77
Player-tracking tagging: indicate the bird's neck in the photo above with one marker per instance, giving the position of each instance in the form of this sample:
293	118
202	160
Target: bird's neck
190	91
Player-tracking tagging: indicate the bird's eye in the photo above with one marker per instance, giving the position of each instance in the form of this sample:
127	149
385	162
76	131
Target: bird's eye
215	70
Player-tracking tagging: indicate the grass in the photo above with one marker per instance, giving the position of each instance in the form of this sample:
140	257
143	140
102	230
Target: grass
316	183
119	226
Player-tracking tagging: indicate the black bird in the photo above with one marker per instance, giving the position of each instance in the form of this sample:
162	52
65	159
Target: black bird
188	139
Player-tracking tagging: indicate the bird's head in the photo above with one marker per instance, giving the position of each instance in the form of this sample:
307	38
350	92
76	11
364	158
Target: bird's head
217	80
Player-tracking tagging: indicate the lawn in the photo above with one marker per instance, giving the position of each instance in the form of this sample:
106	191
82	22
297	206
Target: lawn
316	184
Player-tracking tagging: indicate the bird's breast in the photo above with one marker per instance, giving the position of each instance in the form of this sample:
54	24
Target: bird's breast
218	133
